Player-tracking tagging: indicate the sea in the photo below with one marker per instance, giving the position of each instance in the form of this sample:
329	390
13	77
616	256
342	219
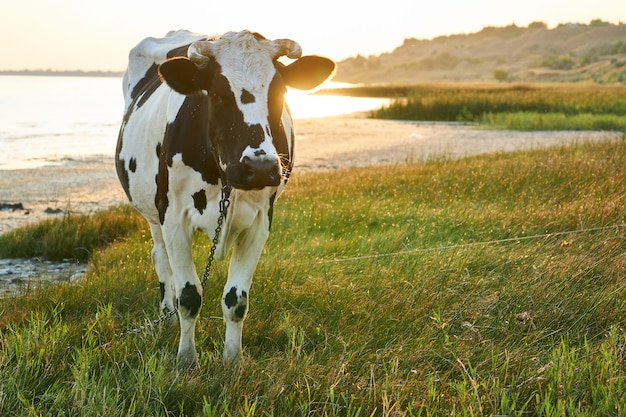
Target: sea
47	120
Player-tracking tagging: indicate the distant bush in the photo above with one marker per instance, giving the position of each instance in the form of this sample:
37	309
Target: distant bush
599	23
443	61
558	63
500	75
617	48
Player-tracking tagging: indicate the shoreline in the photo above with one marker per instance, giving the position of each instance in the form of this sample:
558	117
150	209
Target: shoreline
89	184
85	185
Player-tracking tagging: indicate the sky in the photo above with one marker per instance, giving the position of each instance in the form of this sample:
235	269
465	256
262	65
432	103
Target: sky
97	35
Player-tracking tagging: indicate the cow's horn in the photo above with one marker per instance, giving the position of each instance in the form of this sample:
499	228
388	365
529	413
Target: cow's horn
199	52
287	47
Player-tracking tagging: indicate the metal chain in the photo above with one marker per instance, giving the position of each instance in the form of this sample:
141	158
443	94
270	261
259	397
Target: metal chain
224	204
223	207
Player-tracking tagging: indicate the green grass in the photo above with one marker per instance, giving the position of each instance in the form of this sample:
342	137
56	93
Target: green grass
375	299
75	236
508	106
553	121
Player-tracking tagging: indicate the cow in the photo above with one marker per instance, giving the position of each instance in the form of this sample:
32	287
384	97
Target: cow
202	114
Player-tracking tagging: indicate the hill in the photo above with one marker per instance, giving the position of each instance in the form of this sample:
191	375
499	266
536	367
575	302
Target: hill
573	52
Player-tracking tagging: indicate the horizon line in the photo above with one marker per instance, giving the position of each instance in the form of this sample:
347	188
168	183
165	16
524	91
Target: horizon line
75	72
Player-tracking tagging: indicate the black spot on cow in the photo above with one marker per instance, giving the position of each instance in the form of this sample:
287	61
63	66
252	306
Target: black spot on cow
122	174
190	299
199	201
144	89
196	150
158	149
231	298
281	138
240	311
161	201
240	303
140	93
120	166
255	135
162	289
247	97
270	212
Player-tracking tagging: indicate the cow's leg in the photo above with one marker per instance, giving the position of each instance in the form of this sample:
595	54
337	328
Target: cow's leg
162	266
178	238
246	253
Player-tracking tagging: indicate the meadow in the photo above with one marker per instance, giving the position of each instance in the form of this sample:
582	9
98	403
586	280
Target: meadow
504	106
490	285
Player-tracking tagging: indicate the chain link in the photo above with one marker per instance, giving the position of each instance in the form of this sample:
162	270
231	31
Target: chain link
224	204
223	207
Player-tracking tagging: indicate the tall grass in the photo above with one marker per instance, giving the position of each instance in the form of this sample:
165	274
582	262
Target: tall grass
377	295
564	107
553	121
75	236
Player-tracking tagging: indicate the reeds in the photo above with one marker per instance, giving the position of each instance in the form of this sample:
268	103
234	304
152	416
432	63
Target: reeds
509	106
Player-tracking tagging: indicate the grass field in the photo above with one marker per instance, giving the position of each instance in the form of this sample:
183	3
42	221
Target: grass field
442	288
504	106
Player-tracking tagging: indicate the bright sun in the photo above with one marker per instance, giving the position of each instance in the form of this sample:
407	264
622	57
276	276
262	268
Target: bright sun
305	105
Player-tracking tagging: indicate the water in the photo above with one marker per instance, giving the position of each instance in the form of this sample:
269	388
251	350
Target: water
46	120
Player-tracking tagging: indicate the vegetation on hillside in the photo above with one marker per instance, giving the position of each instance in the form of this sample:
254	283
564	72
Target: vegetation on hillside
573	52
518	106
503	106
443	288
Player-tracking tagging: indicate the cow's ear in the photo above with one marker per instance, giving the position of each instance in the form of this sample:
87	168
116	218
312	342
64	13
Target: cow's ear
183	76
307	72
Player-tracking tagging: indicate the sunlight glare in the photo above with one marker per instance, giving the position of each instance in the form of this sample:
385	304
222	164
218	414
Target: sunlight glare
307	105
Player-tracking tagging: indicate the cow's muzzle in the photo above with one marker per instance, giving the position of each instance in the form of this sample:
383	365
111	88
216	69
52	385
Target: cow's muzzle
254	173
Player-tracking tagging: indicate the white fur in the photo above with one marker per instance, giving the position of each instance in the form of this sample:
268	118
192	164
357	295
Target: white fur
250	72
247	226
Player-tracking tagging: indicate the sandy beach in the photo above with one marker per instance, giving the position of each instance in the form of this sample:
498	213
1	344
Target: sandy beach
330	143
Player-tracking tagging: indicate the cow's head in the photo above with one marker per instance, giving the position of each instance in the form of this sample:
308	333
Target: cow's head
245	85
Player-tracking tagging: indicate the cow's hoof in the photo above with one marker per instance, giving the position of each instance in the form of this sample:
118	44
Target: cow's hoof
187	361
231	356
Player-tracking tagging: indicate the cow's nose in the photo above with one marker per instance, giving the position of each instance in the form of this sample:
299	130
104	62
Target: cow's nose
261	171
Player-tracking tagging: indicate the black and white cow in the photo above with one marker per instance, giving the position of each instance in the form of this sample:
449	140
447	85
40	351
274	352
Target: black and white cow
201	111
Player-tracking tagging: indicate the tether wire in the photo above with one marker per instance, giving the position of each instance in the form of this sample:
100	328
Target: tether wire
469	244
